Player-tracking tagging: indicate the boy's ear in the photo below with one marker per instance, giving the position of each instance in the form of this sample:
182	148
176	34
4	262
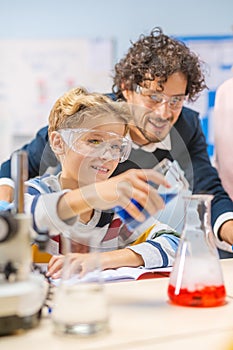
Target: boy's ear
57	143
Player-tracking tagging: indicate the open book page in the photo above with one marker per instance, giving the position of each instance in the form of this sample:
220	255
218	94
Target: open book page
133	273
124	274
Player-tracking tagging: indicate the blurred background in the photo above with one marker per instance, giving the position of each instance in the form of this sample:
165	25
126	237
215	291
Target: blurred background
48	46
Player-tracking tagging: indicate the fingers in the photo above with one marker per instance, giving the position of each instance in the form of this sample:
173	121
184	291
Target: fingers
150	175
136	184
119	190
55	266
154	202
148	199
133	182
75	263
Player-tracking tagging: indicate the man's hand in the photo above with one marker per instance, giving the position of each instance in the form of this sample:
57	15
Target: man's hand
226	232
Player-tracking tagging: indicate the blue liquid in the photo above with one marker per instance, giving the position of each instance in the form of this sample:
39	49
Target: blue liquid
167	197
132	223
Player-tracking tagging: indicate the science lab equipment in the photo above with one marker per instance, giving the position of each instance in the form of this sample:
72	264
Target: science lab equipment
174	176
196	278
22	293
80	304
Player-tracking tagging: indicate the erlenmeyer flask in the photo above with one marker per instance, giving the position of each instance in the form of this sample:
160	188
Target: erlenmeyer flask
196	278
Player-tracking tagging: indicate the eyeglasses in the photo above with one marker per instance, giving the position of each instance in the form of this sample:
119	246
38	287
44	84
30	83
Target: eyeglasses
158	98
95	143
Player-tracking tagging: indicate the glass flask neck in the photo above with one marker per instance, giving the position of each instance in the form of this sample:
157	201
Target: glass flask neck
197	213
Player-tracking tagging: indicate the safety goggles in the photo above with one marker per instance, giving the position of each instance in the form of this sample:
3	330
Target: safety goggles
96	143
158	98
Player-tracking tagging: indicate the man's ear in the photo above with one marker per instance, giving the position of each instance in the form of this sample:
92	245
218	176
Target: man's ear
57	143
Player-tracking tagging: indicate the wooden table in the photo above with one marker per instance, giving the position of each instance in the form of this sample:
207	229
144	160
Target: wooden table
142	318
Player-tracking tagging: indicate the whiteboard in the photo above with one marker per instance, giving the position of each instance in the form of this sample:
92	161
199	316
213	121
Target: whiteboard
35	73
217	53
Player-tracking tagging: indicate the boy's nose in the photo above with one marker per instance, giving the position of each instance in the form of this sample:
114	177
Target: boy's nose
107	153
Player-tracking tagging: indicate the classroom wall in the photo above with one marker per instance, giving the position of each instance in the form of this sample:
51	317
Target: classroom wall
120	21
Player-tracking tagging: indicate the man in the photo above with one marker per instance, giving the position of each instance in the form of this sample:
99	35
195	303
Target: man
155	77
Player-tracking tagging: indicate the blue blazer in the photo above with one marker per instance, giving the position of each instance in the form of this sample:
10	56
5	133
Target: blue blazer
188	147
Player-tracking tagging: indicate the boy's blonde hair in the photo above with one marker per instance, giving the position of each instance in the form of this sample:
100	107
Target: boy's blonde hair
73	108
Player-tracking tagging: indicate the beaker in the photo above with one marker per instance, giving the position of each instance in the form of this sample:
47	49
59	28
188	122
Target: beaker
196	278
174	176
80	304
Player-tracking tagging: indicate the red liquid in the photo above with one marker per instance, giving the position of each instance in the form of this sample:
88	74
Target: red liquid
206	297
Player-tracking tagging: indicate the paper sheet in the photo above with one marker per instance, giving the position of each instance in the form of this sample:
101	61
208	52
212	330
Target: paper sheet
121	274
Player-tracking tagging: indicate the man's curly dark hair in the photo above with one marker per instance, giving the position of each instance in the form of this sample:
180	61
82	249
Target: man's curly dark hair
158	56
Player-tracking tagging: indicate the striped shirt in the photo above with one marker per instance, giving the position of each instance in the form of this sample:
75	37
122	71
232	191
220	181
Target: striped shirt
157	245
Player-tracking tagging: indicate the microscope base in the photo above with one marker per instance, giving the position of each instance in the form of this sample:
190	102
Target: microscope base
13	324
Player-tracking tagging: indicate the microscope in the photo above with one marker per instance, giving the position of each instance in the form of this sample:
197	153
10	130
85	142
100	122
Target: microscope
22	292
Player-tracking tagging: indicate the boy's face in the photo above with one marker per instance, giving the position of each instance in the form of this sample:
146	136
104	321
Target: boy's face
155	112
93	155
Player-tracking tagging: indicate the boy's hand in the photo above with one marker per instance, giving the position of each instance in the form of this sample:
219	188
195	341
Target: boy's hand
55	266
6	193
119	190
75	263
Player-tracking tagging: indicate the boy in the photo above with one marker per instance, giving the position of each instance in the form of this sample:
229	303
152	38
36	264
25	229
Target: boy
86	133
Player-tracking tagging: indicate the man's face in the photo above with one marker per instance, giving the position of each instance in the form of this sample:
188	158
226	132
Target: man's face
155	112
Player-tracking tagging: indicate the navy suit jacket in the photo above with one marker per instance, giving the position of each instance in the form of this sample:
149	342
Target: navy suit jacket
188	147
